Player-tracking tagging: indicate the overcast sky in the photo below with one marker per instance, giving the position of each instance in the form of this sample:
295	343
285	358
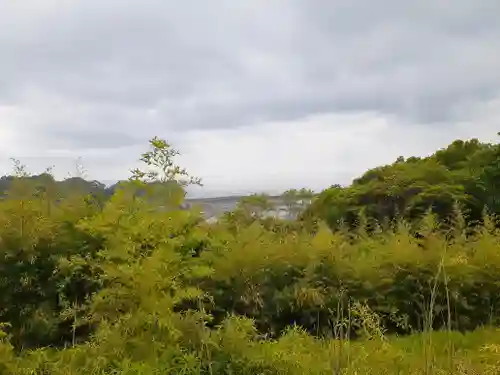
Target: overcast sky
257	95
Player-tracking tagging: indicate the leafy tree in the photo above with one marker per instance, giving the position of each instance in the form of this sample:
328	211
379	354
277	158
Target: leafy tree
166	180
162	167
463	173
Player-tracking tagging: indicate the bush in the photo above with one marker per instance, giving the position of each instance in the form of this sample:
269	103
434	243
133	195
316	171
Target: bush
123	287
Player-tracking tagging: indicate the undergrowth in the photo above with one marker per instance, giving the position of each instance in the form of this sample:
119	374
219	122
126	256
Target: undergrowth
124	287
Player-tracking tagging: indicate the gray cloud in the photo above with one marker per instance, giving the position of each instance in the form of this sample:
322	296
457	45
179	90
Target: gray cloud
93	74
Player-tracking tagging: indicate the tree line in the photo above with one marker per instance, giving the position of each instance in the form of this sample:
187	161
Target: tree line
464	175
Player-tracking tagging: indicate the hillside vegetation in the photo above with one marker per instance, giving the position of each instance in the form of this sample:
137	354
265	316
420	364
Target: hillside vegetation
398	273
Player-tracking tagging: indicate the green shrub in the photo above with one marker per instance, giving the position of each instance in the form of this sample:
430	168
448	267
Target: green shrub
123	287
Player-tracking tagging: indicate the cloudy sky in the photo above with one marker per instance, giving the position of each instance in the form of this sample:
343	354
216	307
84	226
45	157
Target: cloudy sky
257	95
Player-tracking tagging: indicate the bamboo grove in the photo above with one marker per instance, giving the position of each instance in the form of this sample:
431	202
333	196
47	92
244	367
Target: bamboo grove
397	273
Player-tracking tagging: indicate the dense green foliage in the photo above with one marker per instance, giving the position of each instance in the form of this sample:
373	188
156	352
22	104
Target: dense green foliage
126	282
465	173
